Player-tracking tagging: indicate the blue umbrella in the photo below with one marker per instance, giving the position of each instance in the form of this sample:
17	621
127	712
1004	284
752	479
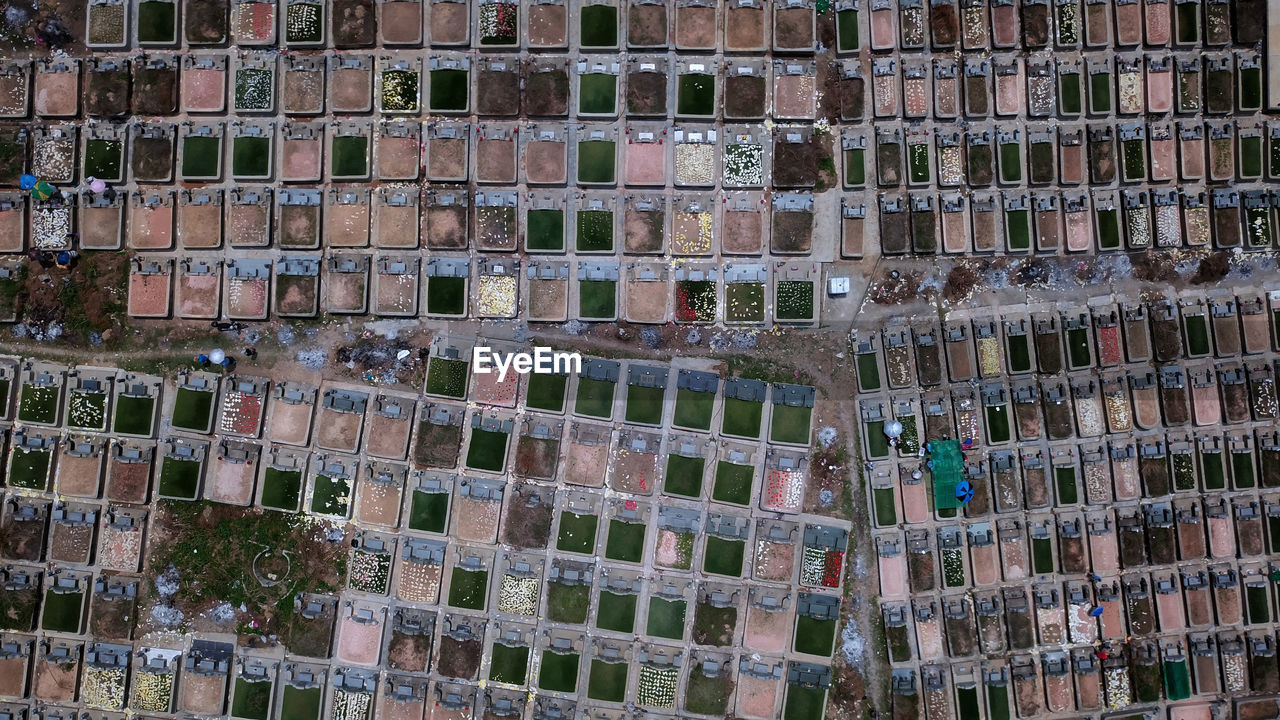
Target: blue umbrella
26	182
964	491
1095	612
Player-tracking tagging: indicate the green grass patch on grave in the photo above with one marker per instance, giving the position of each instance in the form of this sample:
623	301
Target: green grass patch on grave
568	603
331	496
29	468
626	541
790	424
597	93
546	391
134	415
509	664
63	611
684	476
617	612
559	672
607	681
693	409
577	533
252	700
39	404
488	450
599	26
545	231
429	511
724	557
595	398
733	483
596	161
193	410
595	231
447	377
598	299
350	156
742	418
468	589
300	703
645	404
666	618
281	489
180	479
449	89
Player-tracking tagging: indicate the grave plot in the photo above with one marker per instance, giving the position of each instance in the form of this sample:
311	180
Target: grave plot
181	468
696	297
668	610
409	644
792	230
369	571
243	400
439	436
518	590
596	225
696	25
355	23
527	521
304	23
113	607
695	153
795	296
30	463
597	89
645	157
157	22
396	218
744	293
297	282
495	220
447	220
715	618
489	390
200	152
656	687
280	485
597	155
794	90
341	419
488	443
253	688
769	619
106	25
390	425
587	456
497	289
395	290
80	466
254	88
120	540
795	158
349	152
104	153
548	293
450	22
469	580
545	160
251	151
333	479
63	609
743	407
397	151
151	152
24	525
647	24
685	467
496	154
107	87
646	388
743	160
644	224
347	285
40	393
577	527
379	495
346	217
304	697
635	466
205	22
57	87
646	289
53	153
709	686
150	284
546	88
647	88
232	473
596	388
204	84
129	471
544	222
87	400
351	88
546	26
546	391
693	226
744	218
450	84
151	220
806	695
745	90
248	287
447	286
21	594
248	217
13	221
291	410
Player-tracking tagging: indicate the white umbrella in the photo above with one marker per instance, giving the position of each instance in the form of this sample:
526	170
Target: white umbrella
216	356
893	428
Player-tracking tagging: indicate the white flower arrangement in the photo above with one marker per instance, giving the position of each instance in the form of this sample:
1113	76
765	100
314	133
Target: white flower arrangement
152	692
1118	694
50	226
302	22
812	565
518	595
695	163
497	295
369	572
744	165
657	687
88	410
103	688
351	705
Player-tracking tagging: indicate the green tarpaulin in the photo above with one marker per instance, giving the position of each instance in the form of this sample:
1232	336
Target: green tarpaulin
948	472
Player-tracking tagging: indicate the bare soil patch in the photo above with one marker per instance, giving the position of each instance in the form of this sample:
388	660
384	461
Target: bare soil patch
547	26
355	23
647	25
339	431
586	464
545	162
379	503
767	631
447	227
290	424
496	161
696	26
232	482
350	89
203	694
128	482
459	658
108	93
635	472
547	93
744	96
743	231
388	437
437	445
447	158
56	682
155	90
643	231
645	163
793	28
397	226
647	93
449	25
548	299
79	476
528	518
795	164
498	93
409	653
347	225
359	642
476	520
646	301
401	22
744	28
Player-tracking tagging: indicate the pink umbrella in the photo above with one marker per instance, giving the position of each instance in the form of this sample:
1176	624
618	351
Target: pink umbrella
97	185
